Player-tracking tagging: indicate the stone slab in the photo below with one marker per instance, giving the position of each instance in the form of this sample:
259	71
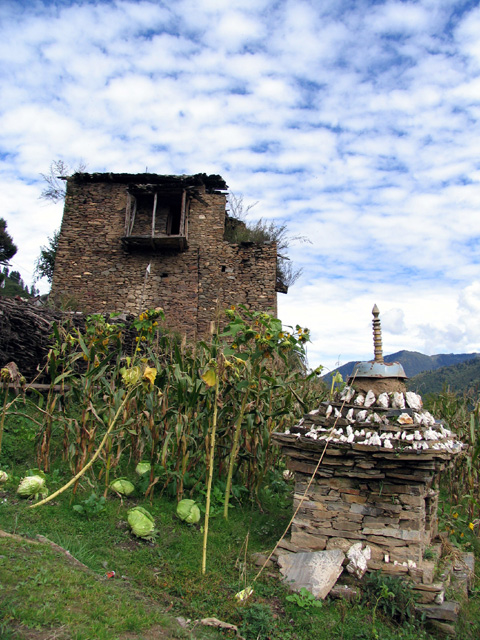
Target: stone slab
317	571
448	611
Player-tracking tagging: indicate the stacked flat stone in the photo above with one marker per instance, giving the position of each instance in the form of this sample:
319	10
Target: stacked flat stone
392	420
377	482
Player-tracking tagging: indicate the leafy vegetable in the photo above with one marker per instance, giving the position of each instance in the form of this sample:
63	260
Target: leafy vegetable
3	477
142	468
141	523
122	486
33	486
188	511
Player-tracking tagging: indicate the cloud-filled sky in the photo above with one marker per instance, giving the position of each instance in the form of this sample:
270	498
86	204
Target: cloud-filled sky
355	122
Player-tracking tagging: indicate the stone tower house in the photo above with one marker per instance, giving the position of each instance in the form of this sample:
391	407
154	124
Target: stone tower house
130	242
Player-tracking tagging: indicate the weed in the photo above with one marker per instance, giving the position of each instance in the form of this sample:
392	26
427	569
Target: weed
305	599
391	595
257	622
91	506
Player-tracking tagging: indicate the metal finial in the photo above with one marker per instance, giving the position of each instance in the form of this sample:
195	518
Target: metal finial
377	335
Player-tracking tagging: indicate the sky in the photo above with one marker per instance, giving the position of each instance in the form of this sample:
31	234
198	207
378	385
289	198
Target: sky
354	122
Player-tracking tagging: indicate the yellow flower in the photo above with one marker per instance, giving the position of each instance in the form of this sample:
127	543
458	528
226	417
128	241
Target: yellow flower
150	374
455	515
461	535
471	526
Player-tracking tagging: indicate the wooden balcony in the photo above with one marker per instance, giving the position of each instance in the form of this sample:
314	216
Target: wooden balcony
158	242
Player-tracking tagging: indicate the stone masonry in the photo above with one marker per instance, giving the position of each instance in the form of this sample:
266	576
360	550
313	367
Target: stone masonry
112	256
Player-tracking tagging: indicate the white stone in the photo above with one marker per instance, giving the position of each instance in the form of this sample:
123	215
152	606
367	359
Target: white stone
414	401
383	400
347	393
359	400
375	440
350	417
404	418
358	559
369	399
398	400
427	419
329	411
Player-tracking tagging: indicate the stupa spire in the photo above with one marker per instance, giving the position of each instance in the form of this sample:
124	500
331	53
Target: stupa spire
377	335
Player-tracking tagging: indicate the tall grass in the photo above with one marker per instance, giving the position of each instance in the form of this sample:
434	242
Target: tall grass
461	480
167	404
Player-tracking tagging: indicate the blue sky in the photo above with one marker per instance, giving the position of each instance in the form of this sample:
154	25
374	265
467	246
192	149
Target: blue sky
356	123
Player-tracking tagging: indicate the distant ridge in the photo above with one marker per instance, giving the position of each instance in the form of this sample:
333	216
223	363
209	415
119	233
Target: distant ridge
462	378
413	363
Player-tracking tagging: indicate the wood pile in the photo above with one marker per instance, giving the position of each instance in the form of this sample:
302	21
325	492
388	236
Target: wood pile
26	330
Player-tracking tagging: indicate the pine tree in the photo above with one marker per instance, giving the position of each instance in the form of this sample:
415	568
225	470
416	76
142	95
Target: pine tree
7	248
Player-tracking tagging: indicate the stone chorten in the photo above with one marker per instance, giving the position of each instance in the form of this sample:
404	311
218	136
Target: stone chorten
377	483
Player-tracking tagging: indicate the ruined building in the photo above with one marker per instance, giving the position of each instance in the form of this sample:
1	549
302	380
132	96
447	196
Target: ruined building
130	242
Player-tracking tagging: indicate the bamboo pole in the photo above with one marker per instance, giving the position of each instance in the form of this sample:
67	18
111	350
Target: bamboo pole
91	461
210	476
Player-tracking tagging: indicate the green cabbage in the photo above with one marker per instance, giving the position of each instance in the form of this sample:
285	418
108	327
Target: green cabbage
141	523
122	486
143	468
3	477
32	486
188	511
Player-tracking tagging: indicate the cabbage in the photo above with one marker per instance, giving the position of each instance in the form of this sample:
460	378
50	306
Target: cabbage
187	510
141	522
143	468
122	486
3	477
32	486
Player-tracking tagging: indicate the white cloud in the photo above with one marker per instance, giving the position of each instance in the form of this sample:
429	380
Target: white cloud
352	122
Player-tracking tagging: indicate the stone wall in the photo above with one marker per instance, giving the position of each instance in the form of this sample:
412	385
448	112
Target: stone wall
95	273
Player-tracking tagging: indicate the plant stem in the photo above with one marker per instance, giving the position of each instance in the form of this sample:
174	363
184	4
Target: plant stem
210	476
233	454
91	461
4	411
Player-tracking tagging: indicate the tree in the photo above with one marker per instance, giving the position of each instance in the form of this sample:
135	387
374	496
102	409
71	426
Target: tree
238	230
55	179
7	248
45	263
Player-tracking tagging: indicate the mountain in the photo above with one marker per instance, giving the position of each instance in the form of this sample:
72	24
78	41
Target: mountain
459	378
413	363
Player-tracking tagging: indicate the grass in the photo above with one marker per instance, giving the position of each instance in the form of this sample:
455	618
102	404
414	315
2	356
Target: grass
44	595
43	592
